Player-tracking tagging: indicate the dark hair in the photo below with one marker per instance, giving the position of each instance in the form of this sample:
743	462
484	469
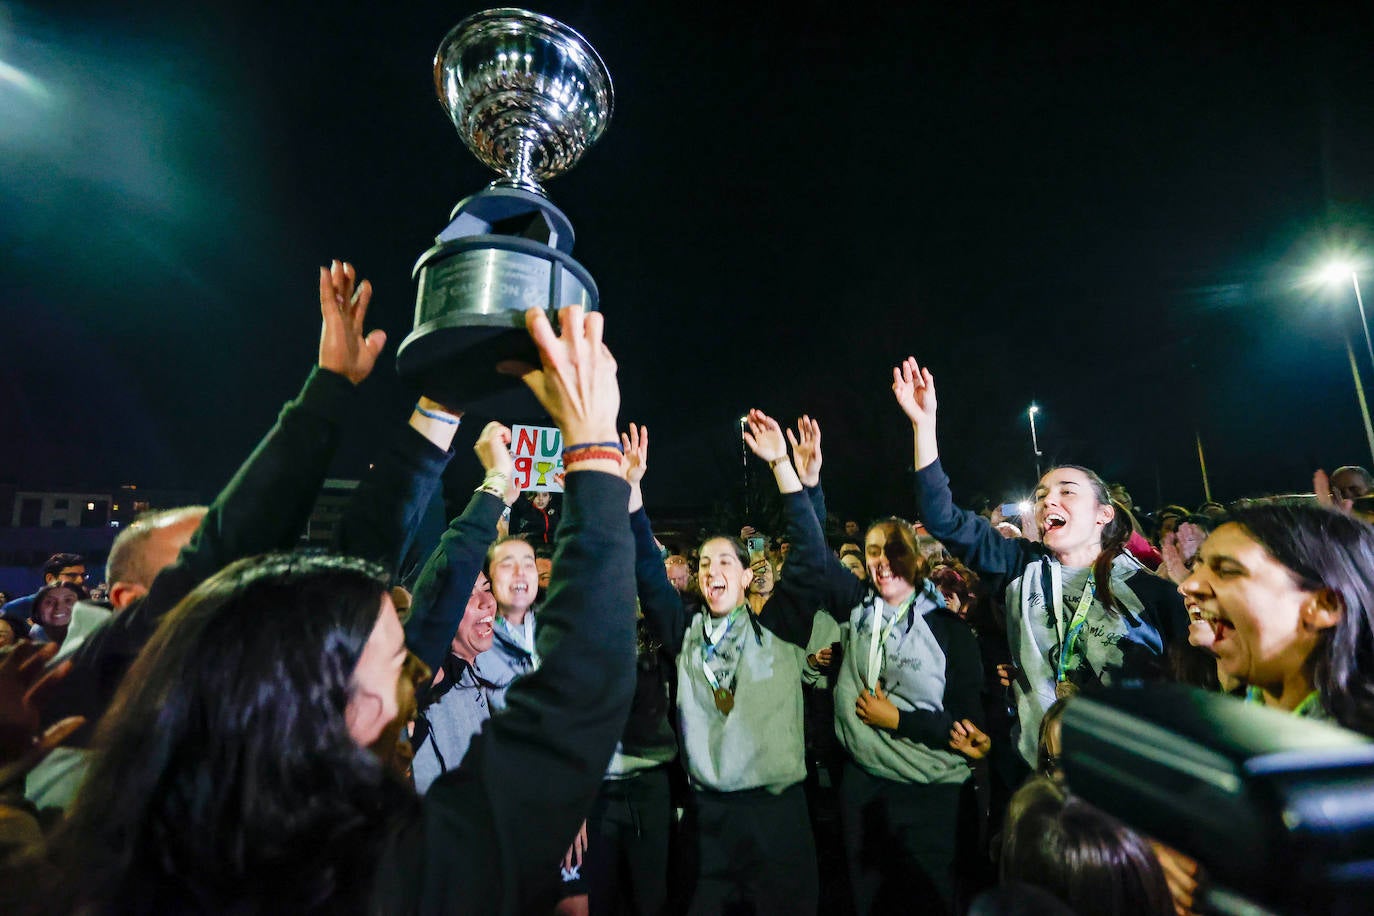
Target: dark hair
741	551
1115	534
901	550
45	591
491	550
947	577
60	561
226	776
1325	549
1085	857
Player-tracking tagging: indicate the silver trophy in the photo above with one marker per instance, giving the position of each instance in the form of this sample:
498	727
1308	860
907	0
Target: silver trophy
529	96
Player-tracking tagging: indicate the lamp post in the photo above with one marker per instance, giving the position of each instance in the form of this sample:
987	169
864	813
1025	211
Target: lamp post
1035	443
1335	273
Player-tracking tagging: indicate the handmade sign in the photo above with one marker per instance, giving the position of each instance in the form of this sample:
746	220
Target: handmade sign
538	455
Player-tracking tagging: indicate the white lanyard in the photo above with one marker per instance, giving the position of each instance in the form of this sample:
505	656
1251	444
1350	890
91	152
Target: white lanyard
524	637
711	639
877	641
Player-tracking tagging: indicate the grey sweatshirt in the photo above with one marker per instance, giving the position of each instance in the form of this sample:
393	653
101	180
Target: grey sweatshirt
759	744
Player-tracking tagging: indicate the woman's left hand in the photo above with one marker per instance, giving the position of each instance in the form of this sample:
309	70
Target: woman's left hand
876	709
764	437
806	451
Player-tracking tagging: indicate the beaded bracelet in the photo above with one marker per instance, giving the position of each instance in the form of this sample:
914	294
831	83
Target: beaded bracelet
589	453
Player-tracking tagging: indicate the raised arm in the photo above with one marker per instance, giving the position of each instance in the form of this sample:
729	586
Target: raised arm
659	602
263	507
494	826
810	579
388	505
445	583
966	534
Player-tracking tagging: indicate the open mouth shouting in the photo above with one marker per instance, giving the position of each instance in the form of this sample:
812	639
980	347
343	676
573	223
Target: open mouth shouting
1053	521
715	591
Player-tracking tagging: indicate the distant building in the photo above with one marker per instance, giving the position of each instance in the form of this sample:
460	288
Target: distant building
35	524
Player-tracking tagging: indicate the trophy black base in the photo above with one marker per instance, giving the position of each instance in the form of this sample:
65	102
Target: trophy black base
475	286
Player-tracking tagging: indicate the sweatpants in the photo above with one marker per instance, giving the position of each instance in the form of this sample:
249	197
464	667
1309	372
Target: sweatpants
899	842
626	863
755	853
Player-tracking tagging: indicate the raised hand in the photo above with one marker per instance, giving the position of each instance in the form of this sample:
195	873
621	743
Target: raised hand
969	740
763	436
1327	495
576	382
344	348
806	451
636	445
493	450
914	389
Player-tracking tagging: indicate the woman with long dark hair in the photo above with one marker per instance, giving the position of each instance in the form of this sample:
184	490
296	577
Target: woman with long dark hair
1288	592
1080	611
233	771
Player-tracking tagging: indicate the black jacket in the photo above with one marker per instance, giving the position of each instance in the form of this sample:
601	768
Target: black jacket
263	508
491	831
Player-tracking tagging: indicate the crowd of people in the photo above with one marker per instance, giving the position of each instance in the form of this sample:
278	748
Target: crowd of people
558	713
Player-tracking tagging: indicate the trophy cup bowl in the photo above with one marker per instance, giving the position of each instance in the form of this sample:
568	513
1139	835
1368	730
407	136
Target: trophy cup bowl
528	96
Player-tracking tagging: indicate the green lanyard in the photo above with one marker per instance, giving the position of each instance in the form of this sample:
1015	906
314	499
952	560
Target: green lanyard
1068	642
1309	702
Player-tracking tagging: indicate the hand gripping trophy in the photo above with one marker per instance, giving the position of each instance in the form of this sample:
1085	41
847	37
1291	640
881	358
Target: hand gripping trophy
529	96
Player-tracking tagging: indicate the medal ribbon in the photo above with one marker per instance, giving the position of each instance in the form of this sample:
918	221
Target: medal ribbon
711	639
1069	641
877	642
1256	696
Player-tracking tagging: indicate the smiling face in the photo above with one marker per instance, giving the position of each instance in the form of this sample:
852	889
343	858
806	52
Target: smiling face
722	576
1264	624
1069	515
475	629
514	576
890	563
55	607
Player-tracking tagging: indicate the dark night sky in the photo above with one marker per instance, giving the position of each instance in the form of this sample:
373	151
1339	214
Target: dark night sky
1104	212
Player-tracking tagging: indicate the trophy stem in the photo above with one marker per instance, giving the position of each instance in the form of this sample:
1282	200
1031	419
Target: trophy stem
523	167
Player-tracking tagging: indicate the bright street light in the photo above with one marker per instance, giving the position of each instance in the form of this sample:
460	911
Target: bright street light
1337	272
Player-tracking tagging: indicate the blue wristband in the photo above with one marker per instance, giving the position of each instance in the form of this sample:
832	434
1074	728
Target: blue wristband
615	445
442	418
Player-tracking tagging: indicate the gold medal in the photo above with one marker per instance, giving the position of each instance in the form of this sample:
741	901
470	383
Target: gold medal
1065	689
725	700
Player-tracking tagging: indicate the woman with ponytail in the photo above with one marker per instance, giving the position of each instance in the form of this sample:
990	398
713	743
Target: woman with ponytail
1081	612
